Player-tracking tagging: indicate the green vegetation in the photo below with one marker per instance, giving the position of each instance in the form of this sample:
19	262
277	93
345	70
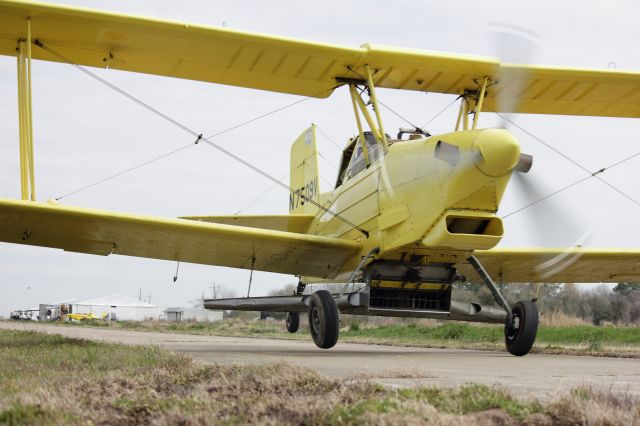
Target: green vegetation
462	401
48	379
600	305
580	339
463	332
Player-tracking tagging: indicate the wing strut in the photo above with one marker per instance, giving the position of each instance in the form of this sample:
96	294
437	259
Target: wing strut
484	276
253	264
471	102
358	104
27	174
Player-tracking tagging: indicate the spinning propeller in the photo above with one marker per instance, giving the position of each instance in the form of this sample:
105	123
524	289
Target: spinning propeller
551	224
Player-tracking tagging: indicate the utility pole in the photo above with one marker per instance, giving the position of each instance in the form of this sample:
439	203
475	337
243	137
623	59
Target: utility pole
140	295
213	290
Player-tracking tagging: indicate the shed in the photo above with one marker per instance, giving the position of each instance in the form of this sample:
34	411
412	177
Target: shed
192	314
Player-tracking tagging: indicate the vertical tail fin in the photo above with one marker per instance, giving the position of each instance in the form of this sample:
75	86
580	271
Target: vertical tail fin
304	173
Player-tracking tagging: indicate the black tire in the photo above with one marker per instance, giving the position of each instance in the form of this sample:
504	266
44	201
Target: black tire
323	319
521	334
293	321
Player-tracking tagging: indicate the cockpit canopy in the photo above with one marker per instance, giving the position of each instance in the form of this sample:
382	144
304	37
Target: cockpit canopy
353	160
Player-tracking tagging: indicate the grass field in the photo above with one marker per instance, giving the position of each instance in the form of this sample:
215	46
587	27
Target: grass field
49	379
578	339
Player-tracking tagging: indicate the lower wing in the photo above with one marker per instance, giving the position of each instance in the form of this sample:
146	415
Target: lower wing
558	265
284	222
103	232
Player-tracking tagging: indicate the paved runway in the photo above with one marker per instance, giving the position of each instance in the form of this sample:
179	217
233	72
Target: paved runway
539	376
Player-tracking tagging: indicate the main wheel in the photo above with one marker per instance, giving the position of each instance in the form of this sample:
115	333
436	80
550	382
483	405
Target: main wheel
293	322
323	319
521	333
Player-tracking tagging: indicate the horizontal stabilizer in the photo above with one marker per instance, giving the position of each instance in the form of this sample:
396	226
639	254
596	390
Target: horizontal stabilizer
287	223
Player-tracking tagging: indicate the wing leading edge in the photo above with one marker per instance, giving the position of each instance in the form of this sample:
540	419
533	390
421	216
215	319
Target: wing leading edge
285	222
103	232
559	265
239	58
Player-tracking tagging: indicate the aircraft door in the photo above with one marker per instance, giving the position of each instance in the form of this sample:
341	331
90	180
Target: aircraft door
356	195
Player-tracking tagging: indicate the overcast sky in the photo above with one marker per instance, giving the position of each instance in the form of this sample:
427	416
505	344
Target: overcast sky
84	131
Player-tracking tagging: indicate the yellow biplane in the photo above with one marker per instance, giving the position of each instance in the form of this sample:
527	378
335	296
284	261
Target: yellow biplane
83	317
408	216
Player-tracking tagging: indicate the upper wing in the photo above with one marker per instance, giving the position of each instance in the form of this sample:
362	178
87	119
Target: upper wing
558	265
103	232
223	55
286	222
239	58
568	91
175	49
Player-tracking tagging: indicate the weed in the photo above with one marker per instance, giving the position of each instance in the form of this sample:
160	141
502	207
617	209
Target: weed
473	398
33	414
57	380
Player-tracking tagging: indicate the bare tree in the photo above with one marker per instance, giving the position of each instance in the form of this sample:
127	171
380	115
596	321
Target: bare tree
287	290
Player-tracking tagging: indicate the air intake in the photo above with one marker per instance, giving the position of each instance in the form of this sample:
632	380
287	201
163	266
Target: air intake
465	230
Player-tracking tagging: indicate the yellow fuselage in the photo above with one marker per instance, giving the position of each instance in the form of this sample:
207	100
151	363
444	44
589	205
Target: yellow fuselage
431	198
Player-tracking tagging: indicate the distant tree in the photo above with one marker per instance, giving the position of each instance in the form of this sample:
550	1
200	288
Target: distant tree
223	292
197	302
287	290
601	308
621	309
634	307
627	288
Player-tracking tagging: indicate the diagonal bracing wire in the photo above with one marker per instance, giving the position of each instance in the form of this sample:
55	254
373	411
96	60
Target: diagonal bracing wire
122	172
260	196
440	113
207	139
328	138
263	193
595	174
397	114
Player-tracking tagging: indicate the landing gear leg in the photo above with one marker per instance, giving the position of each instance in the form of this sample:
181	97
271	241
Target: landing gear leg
521	326
293	322
323	319
293	318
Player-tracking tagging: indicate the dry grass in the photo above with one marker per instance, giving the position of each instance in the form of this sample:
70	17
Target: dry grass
49	379
587	406
56	380
392	374
560	319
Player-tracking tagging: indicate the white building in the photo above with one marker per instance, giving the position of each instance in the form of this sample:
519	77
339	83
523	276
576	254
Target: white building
192	314
117	307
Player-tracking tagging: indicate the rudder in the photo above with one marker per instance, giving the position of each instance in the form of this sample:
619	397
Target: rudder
304	174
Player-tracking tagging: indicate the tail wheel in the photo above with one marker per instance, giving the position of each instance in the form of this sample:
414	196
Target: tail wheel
293	322
521	333
323	319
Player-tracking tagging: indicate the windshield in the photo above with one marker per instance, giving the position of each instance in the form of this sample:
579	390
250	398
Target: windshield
358	163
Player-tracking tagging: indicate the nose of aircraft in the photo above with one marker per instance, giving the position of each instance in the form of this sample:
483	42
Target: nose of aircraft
496	152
